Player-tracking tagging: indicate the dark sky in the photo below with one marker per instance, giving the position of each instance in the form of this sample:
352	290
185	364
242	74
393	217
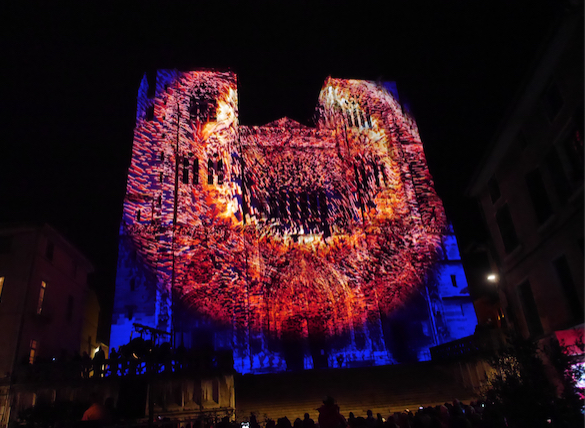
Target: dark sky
70	76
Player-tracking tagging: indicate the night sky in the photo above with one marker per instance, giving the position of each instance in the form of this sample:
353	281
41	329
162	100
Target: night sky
70	77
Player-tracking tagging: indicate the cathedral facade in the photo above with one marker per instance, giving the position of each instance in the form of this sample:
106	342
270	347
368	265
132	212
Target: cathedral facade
296	247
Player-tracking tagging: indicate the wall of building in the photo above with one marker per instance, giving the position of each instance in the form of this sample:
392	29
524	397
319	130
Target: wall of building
39	255
296	246
536	171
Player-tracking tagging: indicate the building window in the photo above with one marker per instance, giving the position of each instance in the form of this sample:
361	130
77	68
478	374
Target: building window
293	205
304	205
283	204
323	206
529	308
454	280
162	155
160	177
376	173
563	271
149	113
195	171
50	251
1	287
573	146
33	351
185	170
538	195
138	215
220	171
41	297
558	175
494	189
210	171
69	312
507	230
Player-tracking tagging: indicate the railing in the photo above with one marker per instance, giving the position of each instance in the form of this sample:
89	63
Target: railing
54	371
481	343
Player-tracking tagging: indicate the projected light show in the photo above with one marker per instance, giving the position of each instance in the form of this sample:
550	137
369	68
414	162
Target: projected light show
296	247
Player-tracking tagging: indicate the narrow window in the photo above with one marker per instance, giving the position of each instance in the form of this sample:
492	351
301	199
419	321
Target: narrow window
323	206
314	204
220	171
283	203
195	171
160	177
384	176
69	315
185	170
529	308
507	230
304	203
376	173
559	178
32	352
454	280
539	196
573	147
162	156
159	200
41	297
210	171
1	287
212	111
138	215
563	271
293	205
494	189
149	113
49	251
132	284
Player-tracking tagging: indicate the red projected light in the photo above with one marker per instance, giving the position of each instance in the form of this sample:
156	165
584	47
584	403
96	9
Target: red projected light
280	228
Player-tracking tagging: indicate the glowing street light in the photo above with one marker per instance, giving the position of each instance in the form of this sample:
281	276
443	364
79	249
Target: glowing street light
492	277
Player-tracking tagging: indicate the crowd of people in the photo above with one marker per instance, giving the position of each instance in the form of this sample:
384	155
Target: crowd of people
448	415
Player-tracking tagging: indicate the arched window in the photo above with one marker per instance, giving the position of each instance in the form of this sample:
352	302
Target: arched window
185	170
220	171
210	171
195	171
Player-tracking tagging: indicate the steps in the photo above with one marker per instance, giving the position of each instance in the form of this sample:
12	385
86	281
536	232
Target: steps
383	389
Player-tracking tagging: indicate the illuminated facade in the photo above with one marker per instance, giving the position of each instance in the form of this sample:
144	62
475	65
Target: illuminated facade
295	246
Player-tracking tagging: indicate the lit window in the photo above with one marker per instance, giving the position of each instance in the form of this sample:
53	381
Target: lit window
33	351
1	286
41	297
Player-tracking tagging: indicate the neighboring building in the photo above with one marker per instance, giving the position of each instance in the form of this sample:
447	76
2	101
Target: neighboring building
530	189
43	293
294	246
